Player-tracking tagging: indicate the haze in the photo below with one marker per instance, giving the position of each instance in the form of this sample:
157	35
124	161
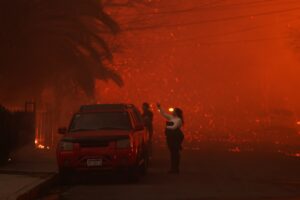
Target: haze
223	62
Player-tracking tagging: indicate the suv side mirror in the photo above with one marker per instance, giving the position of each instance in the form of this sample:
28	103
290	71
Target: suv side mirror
62	130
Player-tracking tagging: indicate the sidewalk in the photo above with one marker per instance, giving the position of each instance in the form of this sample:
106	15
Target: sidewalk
28	170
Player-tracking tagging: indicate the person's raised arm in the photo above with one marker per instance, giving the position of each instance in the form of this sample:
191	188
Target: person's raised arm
163	113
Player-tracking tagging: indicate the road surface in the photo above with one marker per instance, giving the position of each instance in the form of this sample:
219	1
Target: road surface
208	172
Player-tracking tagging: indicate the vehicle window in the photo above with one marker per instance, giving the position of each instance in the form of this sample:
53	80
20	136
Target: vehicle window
101	121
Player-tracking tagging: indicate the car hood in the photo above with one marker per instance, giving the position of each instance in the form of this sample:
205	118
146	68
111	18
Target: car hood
101	134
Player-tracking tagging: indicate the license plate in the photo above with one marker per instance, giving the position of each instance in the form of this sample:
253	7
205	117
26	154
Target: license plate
94	162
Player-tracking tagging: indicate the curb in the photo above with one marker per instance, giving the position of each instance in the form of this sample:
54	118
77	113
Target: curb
34	190
29	173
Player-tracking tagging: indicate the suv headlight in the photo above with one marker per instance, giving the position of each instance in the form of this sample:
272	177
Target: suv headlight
66	146
123	144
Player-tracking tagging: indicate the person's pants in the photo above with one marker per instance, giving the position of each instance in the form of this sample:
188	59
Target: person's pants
150	132
175	158
174	144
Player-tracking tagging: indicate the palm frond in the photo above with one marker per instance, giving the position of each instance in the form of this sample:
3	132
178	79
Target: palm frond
44	40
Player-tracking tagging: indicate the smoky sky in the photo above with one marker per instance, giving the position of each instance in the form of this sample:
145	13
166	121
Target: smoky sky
221	58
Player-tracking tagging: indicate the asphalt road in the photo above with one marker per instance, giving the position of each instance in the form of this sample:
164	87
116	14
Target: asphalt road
210	172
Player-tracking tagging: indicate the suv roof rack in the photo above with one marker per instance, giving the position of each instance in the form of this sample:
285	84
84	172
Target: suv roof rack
87	108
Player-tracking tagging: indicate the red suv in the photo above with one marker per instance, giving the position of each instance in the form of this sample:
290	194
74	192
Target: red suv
104	137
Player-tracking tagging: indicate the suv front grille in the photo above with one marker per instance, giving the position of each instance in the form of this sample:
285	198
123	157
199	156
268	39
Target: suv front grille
93	143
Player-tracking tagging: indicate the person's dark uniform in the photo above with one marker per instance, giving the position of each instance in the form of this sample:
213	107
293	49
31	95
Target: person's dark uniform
148	119
174	137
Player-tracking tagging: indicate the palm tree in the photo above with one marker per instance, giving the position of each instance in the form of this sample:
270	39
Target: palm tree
62	44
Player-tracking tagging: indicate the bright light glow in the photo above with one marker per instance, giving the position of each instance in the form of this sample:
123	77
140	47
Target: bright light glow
40	146
295	155
298	122
171	109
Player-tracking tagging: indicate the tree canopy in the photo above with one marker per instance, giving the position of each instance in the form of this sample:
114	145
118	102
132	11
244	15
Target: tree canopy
61	44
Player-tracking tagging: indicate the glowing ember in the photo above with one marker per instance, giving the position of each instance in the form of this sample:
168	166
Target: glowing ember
35	141
171	109
40	146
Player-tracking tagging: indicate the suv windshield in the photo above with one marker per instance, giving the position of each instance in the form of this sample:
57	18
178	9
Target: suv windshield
100	121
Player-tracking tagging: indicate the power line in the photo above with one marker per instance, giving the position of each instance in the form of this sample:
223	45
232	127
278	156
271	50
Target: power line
223	19
190	10
244	41
256	3
168	12
247	29
198	8
202	43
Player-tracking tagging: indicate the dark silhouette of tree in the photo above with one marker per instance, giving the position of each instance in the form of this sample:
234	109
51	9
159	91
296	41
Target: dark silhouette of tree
62	44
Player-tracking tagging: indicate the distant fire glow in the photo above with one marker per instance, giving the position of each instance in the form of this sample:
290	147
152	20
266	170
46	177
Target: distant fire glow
295	155
171	109
235	150
40	146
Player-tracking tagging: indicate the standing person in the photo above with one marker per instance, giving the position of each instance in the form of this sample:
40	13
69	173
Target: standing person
148	119
174	135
